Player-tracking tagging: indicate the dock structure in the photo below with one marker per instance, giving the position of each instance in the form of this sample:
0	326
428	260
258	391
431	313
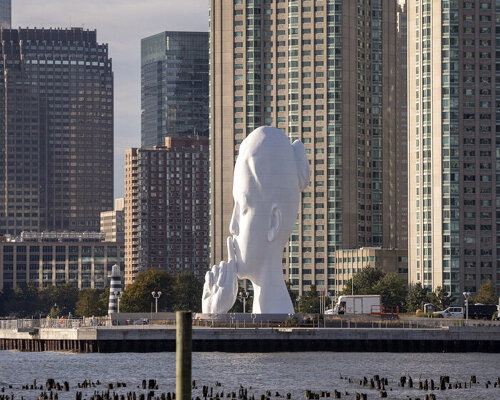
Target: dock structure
155	338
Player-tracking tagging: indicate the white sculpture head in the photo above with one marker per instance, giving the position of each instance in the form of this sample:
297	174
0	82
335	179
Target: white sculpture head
269	175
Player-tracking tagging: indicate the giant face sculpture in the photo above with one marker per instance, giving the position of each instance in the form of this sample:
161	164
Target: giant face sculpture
268	177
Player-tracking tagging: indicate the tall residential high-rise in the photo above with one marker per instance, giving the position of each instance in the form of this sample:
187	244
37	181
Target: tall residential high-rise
174	86
5	13
166	207
56	130
401	128
454	132
323	72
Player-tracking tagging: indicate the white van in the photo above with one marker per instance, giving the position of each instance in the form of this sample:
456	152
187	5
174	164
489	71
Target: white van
451	312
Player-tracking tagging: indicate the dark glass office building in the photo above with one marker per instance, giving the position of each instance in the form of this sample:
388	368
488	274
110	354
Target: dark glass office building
174	86
5	13
56	130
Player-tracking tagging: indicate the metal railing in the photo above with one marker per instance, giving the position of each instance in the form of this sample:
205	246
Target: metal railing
17	324
242	321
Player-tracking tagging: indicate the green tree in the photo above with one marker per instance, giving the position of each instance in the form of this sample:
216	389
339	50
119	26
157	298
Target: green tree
309	301
55	311
416	296
89	303
137	296
23	301
104	299
440	298
364	281
8	303
187	292
486	294
65	296
393	291
29	297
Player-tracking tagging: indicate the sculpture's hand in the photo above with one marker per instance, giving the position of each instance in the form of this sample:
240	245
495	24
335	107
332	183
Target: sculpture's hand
221	285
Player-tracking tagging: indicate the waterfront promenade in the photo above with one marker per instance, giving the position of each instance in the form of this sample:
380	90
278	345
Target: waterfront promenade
351	336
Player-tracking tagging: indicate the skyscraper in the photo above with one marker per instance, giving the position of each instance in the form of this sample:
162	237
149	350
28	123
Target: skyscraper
56	131
166	207
5	13
323	72
454	132
401	94
174	86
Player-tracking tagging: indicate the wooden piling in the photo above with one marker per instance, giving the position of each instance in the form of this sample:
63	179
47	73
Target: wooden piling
183	354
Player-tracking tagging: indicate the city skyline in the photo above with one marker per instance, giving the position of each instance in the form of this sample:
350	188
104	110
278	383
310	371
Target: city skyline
350	180
122	25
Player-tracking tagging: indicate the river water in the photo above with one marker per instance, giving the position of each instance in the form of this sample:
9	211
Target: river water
276	372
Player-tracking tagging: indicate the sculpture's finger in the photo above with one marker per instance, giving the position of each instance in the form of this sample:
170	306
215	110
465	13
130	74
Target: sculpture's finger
209	279
222	273
215	274
230	250
207	287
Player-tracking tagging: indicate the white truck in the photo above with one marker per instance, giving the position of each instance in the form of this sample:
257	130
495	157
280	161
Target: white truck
360	304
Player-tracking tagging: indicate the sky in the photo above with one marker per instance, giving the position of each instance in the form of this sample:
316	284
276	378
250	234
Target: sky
122	24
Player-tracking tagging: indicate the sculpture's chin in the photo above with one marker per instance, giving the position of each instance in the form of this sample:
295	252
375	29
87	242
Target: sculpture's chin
242	271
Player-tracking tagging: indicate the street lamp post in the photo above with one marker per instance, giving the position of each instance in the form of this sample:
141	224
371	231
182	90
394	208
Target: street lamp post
156	296
466	295
243	296
118	295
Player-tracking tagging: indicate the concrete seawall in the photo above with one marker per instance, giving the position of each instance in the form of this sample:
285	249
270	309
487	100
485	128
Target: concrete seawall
159	338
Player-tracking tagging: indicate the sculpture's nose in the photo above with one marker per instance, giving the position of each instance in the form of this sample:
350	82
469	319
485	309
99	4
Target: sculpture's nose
233	225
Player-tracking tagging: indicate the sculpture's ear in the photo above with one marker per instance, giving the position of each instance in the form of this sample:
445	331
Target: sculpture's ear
274	223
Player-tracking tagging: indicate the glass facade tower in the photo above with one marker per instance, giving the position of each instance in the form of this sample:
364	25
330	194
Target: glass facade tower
454	133
323	72
5	13
56	130
174	86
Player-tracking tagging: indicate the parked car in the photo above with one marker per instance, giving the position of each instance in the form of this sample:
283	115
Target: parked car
451	312
141	321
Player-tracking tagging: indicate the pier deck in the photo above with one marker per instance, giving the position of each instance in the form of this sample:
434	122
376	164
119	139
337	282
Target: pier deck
151	338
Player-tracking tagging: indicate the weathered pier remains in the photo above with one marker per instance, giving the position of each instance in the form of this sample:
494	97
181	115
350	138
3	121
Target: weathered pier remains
154	338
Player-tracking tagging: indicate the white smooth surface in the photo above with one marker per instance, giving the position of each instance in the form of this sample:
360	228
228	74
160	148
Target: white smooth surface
269	175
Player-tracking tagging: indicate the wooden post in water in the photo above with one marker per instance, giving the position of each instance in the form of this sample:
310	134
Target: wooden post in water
183	342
